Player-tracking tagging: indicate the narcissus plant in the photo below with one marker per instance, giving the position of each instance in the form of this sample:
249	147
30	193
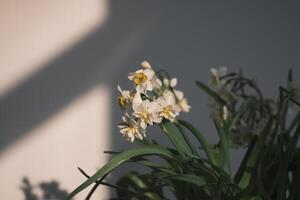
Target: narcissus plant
192	168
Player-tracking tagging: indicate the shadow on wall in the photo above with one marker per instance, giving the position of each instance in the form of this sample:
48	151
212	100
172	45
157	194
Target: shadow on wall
94	60
48	190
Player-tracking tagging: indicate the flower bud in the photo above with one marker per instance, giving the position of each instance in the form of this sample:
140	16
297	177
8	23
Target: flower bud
146	65
173	82
166	82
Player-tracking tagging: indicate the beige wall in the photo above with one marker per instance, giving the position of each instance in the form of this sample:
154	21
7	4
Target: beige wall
75	136
32	34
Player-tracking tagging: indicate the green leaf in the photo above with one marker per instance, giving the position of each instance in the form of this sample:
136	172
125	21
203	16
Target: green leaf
175	138
154	166
141	186
219	156
256	198
189	178
243	165
211	93
294	122
240	112
187	140
201	140
290	76
246	177
283	168
118	160
224	145
294	193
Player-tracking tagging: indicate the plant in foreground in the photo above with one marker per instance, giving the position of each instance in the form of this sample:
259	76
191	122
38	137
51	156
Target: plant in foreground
192	168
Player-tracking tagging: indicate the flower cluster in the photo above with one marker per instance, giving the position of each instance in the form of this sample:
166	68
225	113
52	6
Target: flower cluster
153	99
245	121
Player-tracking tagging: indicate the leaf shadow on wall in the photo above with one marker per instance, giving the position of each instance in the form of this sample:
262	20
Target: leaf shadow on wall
48	189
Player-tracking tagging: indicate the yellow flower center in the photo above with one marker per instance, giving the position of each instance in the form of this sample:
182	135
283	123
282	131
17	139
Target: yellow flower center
134	130
122	101
145	116
140	78
167	112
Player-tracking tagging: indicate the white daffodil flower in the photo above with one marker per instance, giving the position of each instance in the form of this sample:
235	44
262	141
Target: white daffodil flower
168	107
156	82
125	97
153	100
131	129
220	88
145	111
182	101
216	74
142	79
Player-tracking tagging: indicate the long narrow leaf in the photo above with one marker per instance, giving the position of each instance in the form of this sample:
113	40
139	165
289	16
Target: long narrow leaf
224	145
189	178
254	155
141	186
243	165
187	140
118	160
175	138
211	93
201	140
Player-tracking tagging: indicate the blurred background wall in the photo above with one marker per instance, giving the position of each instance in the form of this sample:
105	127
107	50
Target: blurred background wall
60	63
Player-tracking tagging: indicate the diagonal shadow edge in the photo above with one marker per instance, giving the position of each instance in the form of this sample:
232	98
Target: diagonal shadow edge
92	61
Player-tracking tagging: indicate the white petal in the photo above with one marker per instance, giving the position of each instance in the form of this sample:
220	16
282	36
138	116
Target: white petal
154	107
137	102
119	88
138	89
131	138
169	97
142	88
149	86
159	82
126	94
184	105
179	94
143	125
214	72
156	83
225	112
161	103
131	76
149	73
176	108
158	119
